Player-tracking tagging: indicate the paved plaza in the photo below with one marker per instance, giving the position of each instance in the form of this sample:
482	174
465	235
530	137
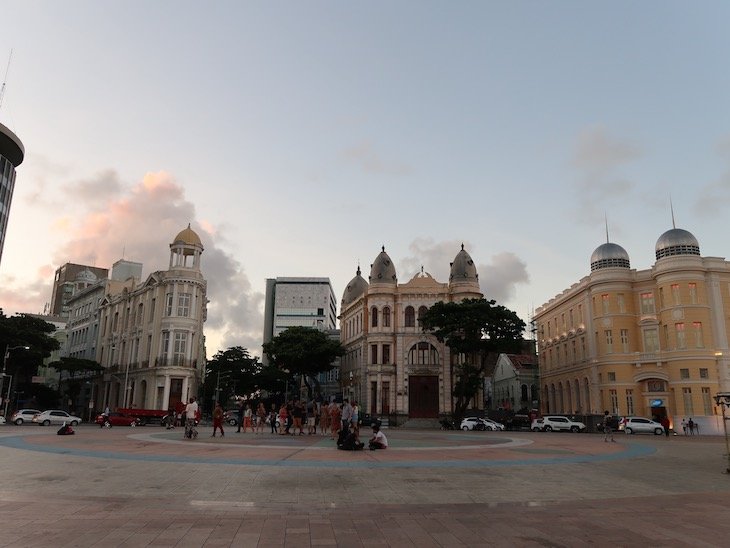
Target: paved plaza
149	487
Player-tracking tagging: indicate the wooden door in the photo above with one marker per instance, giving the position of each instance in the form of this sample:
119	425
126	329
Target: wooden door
423	396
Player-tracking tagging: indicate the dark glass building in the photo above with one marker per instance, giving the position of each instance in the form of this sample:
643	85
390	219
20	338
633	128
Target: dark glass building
11	156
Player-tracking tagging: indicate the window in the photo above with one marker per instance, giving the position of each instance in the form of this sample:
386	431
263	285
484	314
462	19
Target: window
373	318
687	398
410	317
183	304
140	314
614	401
697	333
423	353
684	373
421	312
621	302
647	303
385	397
168	304
629	402
604	303
693	293
181	343
656	385
373	353
675	294
165	343
609	341
115	323
706	401
386	316
570	316
386	354
611	376
679	330
651	340
624	340
704	374
152	310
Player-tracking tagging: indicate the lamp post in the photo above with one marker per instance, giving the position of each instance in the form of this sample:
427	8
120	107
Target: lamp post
723	400
8	348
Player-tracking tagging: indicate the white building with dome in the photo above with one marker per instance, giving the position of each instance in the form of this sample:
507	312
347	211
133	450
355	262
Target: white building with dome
391	367
151	341
650	343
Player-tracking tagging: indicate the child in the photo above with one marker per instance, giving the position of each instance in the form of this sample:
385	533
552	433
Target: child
378	441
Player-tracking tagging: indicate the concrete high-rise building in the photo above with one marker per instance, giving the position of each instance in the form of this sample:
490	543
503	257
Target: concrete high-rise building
70	279
305	302
11	156
651	342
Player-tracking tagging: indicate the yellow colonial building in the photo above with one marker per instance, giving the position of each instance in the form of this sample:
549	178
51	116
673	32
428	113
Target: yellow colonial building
640	342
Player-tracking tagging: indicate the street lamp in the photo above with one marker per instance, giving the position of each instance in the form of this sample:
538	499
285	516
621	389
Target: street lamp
723	400
8	348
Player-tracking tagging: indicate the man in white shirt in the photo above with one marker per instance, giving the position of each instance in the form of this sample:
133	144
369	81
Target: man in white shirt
378	441
346	415
191	413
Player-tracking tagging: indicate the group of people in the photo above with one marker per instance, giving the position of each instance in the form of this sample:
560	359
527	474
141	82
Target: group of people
690	427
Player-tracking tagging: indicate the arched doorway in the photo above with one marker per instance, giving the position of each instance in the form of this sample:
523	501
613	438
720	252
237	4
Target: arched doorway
423	389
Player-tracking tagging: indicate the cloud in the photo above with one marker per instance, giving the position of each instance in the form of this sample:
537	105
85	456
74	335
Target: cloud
138	222
364	156
498	278
598	159
714	197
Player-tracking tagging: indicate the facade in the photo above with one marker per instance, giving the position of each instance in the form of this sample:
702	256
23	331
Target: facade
12	153
649	342
391	366
151	340
70	279
516	382
304	302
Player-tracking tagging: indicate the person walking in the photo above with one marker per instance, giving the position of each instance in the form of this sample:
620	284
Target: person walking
324	419
239	416
247	414
335	419
272	418
218	419
665	424
191	414
684	425
356	417
260	418
607	430
691	426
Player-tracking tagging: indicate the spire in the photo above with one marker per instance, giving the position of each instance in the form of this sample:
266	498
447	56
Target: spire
383	248
671	208
462	246
606	219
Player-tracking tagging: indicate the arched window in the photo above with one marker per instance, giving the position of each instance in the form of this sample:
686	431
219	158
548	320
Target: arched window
373	317
386	316
423	353
410	317
421	311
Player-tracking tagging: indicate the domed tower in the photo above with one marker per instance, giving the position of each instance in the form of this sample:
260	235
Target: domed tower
354	290
185	250
609	255
676	242
382	271
464	277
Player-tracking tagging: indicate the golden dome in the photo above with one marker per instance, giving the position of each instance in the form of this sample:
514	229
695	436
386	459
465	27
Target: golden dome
188	236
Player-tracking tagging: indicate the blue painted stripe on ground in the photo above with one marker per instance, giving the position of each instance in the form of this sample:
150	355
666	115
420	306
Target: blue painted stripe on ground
633	450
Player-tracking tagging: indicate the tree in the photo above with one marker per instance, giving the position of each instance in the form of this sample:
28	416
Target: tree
303	351
76	371
233	372
472	329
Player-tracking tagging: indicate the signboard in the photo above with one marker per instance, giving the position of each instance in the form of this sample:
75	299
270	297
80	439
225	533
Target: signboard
657	403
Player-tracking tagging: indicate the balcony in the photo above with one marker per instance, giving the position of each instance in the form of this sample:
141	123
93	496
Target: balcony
647	358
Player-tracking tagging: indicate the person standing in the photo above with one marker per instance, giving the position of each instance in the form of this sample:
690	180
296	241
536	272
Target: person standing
260	418
191	413
272	418
607	430
324	419
356	417
217	419
247	414
690	426
346	415
239	416
335	419
684	425
665	424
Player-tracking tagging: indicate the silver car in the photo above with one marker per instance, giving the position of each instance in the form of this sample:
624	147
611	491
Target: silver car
638	425
55	416
23	415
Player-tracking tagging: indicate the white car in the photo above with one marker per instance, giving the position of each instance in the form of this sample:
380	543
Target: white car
23	415
472	423
55	416
554	422
493	425
637	425
537	425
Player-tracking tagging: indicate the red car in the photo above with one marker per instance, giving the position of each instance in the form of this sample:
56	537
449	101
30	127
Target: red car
116	419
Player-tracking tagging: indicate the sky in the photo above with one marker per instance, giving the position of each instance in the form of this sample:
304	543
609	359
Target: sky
298	138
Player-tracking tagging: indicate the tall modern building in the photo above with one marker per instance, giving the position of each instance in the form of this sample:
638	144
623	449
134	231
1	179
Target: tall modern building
11	156
305	302
648	342
69	280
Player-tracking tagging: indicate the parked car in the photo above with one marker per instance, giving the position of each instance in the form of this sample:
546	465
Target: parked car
493	425
518	422
116	419
2	419
538	425
472	423
638	425
23	415
554	422
55	416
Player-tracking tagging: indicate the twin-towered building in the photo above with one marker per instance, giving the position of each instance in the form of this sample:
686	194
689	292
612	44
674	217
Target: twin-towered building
391	366
648	342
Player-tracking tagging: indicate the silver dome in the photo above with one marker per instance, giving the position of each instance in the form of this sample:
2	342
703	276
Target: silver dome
676	242
87	276
609	255
463	268
355	289
383	270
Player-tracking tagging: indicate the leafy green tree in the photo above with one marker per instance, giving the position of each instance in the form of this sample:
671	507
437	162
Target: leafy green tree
472	329
304	351
234	372
76	370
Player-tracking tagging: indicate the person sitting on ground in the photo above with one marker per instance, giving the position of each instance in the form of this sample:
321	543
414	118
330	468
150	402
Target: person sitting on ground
349	441
65	430
378	441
